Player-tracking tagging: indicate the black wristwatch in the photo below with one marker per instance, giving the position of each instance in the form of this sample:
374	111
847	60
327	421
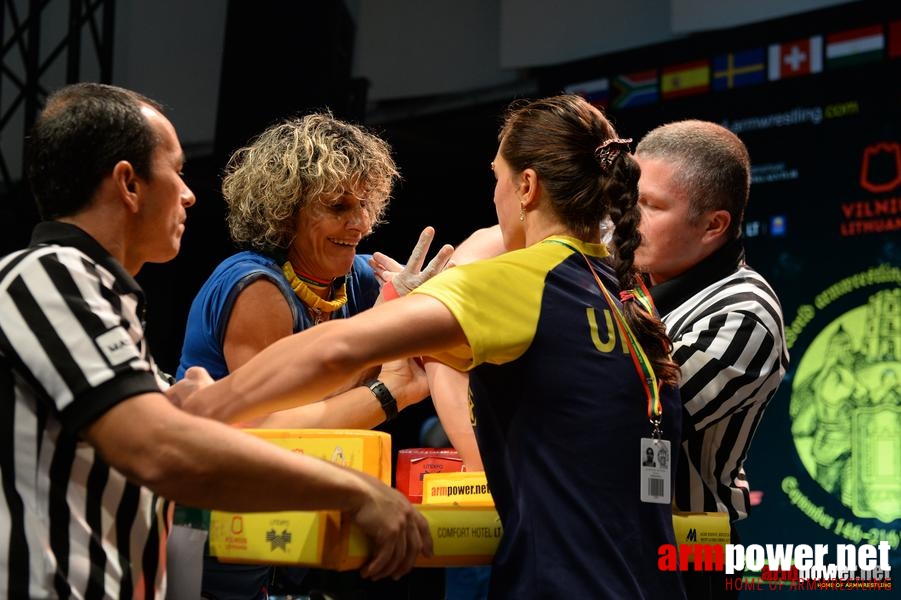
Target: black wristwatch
383	395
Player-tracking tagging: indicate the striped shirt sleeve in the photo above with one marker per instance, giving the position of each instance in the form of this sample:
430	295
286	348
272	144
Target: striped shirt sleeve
75	338
729	346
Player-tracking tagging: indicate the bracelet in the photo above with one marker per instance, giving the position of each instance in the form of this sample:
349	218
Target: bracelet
384	396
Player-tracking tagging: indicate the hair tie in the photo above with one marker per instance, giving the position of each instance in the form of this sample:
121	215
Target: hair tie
639	294
609	151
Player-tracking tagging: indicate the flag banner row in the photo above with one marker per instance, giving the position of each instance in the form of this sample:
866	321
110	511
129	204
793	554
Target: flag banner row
747	67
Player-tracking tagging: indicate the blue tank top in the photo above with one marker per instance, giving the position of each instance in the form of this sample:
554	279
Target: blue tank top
211	308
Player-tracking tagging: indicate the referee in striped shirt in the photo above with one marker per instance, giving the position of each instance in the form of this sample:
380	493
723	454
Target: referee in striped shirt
724	319
90	443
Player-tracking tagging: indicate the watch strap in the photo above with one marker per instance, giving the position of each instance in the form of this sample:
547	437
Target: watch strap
384	396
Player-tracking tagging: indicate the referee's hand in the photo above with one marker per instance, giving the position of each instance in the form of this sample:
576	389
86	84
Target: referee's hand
398	533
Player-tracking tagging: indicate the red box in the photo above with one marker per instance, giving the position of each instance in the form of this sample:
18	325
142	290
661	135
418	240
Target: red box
414	463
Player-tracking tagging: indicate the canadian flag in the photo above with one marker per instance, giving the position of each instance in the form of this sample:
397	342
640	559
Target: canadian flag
801	57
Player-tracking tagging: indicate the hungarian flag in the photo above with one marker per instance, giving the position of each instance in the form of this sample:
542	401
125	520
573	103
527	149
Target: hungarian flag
801	57
685	79
854	46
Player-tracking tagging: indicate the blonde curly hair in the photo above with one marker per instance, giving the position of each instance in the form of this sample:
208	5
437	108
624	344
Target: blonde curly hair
296	162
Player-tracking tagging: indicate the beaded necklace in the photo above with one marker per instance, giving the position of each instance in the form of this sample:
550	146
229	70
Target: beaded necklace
316	305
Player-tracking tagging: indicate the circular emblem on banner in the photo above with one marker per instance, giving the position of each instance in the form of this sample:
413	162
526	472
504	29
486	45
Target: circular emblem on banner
844	410
846	407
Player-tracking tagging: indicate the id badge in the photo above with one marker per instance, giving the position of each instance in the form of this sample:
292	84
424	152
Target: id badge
656	462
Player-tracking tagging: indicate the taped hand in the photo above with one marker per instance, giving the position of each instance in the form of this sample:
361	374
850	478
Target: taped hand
412	275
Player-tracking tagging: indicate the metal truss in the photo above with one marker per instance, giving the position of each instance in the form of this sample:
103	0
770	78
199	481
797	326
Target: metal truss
31	63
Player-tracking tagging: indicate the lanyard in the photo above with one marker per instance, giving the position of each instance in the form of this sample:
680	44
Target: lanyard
639	359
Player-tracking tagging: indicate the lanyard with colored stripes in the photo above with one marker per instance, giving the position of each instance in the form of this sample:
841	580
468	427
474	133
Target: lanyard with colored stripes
639	359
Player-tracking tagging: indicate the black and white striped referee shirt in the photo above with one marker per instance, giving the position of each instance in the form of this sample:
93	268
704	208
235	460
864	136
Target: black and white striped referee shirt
728	339
71	347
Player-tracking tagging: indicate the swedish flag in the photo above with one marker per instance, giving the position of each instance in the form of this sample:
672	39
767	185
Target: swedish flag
738	69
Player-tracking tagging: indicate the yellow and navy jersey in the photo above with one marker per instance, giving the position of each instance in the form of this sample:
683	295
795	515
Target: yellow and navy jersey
559	413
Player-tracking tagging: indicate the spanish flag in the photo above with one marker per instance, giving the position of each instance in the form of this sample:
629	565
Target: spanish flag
685	79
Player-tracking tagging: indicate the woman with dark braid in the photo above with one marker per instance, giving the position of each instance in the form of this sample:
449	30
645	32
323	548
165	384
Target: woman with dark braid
567	363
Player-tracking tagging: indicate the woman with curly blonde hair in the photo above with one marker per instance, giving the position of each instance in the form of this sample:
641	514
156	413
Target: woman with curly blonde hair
301	197
299	162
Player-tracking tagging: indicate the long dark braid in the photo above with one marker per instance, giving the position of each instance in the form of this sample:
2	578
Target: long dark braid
621	188
559	137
